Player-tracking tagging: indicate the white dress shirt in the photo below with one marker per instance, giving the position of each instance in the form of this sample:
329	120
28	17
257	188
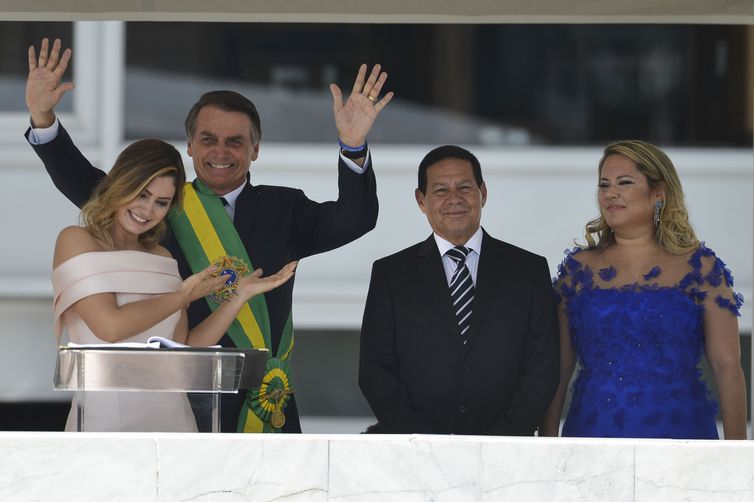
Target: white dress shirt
472	260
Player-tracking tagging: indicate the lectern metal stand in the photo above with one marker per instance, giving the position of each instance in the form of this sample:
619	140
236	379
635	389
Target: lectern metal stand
212	371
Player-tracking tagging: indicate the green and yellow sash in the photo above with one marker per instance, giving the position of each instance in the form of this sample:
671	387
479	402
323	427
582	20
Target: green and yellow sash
205	233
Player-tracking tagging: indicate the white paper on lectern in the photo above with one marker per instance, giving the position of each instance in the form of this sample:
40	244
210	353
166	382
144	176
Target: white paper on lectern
153	342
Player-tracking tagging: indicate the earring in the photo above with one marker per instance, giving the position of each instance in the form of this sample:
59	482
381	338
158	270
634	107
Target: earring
658	207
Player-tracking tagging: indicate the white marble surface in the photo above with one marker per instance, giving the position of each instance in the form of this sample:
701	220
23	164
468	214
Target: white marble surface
695	471
58	466
573	470
205	467
378	468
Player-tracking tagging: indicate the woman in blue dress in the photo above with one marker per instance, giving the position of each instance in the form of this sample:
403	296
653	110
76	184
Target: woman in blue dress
639	306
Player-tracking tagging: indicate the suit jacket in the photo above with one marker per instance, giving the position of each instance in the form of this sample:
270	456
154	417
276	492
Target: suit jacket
414	370
276	225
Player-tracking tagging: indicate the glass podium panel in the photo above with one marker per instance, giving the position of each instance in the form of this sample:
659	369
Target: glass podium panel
108	377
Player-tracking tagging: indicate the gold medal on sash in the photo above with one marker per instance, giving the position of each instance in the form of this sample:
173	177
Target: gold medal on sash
276	398
232	267
277	420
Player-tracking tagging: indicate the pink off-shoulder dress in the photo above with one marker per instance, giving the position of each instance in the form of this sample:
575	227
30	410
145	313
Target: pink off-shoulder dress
131	276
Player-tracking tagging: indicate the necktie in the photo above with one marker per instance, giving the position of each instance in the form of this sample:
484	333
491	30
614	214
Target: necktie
461	289
228	207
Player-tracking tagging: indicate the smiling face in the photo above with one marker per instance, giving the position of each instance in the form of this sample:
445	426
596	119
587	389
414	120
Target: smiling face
453	201
148	208
222	148
626	200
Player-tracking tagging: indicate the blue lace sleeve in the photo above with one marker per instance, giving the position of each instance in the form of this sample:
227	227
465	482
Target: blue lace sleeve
571	273
718	277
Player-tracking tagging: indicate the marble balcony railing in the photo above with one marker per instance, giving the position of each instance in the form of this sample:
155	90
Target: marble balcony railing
204	467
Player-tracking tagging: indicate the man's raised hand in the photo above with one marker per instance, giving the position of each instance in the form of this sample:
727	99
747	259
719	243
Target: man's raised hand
355	117
43	87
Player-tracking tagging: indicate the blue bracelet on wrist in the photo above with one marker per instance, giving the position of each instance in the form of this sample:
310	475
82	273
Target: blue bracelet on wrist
351	152
350	148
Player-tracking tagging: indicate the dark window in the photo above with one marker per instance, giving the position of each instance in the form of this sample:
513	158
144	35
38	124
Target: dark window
15	39
472	84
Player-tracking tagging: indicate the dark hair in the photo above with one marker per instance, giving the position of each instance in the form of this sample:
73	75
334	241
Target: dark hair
134	169
229	101
448	152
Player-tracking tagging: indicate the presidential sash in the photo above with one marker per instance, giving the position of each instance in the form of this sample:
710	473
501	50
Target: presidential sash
206	234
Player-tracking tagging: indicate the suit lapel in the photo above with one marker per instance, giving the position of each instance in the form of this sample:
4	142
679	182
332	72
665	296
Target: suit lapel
432	273
245	215
491	265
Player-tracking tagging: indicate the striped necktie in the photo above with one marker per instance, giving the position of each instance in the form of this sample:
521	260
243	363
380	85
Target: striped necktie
461	290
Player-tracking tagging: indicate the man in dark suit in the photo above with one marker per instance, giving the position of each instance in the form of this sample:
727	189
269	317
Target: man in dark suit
459	333
275	224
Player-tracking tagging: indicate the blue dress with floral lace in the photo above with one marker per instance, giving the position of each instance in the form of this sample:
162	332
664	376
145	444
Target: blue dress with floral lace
638	348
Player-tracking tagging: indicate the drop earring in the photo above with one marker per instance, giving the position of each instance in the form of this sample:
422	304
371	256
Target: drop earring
658	207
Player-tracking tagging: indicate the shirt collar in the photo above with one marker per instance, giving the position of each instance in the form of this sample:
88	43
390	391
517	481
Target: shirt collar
474	243
231	197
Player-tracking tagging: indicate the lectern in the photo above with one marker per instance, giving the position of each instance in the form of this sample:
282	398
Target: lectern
211	371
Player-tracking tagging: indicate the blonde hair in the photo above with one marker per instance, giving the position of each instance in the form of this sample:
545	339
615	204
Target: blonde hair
674	232
134	169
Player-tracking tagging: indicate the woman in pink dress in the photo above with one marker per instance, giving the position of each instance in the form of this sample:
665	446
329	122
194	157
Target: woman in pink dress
113	282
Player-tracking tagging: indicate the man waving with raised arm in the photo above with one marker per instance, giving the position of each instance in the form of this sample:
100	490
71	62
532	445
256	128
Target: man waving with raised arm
225	214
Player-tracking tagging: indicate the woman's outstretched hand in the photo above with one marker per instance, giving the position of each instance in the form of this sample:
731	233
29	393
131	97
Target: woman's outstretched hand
253	284
201	284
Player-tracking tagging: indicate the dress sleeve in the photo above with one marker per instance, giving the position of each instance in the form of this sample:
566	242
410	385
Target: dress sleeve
716	282
570	273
